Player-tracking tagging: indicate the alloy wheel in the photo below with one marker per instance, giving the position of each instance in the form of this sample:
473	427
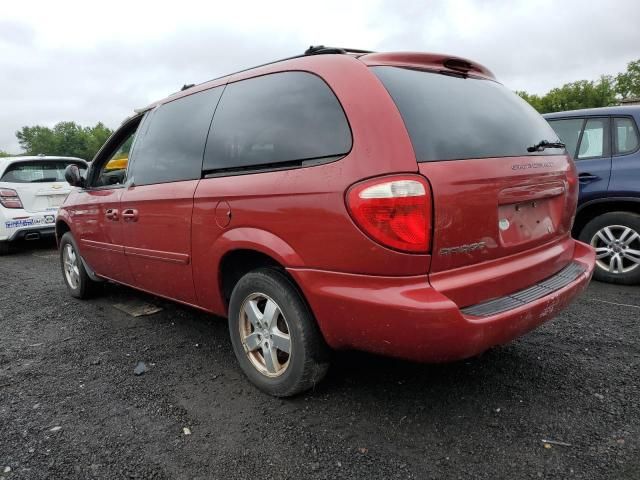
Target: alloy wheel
265	336
617	249
71	267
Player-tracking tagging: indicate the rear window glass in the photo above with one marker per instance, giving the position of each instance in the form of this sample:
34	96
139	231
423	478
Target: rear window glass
450	117
276	118
626	135
38	172
569	132
593	144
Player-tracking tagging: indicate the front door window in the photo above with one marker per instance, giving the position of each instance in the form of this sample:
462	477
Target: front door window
114	170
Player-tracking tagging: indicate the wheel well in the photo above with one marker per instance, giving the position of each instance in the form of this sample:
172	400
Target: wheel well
590	212
61	229
234	265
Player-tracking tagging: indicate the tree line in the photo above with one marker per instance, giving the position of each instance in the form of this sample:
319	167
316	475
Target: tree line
73	140
607	90
67	139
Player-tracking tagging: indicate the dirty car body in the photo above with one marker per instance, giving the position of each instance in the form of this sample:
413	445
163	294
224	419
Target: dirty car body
391	195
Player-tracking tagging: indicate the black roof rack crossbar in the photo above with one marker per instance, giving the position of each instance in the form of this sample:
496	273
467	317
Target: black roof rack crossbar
321	49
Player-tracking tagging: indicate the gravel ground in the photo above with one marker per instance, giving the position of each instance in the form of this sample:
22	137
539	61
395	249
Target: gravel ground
71	406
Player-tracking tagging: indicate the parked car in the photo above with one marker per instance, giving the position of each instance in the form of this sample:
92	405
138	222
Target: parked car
398	203
605	144
31	190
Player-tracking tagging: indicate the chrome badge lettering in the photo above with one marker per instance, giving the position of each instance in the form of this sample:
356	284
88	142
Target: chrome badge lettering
527	166
463	248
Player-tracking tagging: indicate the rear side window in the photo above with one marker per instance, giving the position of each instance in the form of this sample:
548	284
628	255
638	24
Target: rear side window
626	135
41	171
450	117
569	132
170	144
275	119
594	139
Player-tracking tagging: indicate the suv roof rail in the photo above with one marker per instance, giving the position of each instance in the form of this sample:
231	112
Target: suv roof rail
312	50
321	49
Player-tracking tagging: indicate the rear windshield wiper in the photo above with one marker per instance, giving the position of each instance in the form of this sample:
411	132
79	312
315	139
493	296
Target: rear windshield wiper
542	144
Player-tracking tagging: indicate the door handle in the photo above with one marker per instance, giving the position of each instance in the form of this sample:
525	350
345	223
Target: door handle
112	214
130	215
587	177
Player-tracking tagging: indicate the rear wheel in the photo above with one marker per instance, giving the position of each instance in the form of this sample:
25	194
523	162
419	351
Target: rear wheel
4	248
275	338
616	239
75	276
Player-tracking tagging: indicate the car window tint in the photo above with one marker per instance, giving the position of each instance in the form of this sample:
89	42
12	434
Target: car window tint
569	132
450	117
40	171
114	170
626	135
592	144
276	118
170	145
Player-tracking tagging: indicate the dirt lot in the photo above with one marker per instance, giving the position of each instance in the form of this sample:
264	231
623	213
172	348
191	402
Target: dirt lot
70	364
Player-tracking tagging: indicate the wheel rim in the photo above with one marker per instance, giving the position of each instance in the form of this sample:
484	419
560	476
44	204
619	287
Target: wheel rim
264	333
70	264
617	249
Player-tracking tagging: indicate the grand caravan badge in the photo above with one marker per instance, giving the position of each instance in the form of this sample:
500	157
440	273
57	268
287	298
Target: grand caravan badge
470	247
527	166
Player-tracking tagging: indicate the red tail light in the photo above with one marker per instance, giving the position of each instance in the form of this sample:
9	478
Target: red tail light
394	210
9	198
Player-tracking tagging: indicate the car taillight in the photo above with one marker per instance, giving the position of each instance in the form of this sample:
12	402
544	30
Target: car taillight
393	210
9	198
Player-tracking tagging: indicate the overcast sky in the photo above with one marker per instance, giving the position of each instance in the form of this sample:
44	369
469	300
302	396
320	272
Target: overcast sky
73	60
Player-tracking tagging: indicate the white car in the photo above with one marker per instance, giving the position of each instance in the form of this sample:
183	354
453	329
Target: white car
31	190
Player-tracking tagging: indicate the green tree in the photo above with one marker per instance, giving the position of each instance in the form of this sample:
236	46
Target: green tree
37	139
64	139
4	154
628	83
534	100
607	90
575	95
98	135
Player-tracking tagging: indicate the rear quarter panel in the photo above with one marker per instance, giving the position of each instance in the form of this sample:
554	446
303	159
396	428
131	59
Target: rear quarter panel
299	216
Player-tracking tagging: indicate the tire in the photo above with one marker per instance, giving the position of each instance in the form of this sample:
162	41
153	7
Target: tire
616	238
4	248
265	361
73	272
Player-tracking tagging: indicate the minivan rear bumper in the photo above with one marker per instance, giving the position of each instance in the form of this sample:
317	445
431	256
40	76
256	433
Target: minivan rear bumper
406	317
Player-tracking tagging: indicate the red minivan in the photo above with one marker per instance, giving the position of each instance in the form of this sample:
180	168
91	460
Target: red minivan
405	204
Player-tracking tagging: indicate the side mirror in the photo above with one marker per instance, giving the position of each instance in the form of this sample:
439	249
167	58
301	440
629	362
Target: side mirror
72	175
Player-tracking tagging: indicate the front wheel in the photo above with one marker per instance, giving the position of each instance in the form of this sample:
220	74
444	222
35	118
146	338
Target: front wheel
274	335
73	272
616	239
4	248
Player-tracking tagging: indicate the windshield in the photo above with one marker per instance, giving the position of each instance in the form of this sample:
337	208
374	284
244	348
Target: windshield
38	172
451	117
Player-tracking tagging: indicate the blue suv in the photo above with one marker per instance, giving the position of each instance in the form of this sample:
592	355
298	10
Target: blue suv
605	144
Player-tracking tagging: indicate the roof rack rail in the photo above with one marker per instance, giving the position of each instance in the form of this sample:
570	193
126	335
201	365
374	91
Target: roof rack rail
321	49
312	50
